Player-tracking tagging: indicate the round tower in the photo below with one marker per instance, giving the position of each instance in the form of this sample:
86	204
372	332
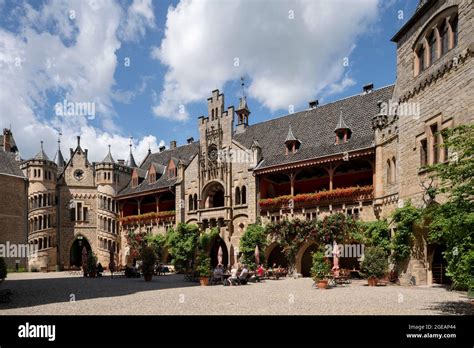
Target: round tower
42	181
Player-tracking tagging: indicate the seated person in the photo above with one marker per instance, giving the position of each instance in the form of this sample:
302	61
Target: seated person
100	269
218	275
260	272
243	275
233	279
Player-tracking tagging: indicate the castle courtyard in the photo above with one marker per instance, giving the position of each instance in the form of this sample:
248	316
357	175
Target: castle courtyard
170	294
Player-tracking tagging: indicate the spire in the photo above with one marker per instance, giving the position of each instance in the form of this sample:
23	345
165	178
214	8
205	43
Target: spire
290	136
58	158
108	158
131	160
41	155
243	99
341	124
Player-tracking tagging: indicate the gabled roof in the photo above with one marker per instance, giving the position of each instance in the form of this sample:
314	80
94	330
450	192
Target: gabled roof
183	154
315	129
9	165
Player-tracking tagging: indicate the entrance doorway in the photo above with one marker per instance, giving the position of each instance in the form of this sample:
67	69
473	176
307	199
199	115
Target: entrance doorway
277	258
307	260
438	266
219	242
76	251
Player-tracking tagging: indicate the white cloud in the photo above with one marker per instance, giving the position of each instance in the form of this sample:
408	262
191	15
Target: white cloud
140	16
70	55
289	61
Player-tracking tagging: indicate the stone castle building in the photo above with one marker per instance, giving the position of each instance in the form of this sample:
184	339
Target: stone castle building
363	155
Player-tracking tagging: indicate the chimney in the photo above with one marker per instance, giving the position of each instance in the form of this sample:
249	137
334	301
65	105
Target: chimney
368	88
121	161
172	144
190	140
162	148
7	143
313	104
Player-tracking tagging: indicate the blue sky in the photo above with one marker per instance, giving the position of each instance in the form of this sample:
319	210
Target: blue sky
289	52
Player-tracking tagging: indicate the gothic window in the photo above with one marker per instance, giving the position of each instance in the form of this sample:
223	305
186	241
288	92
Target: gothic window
190	203
244	195
432	45
454	29
389	173
434	144
394	170
237	196
444	33
195	202
423	152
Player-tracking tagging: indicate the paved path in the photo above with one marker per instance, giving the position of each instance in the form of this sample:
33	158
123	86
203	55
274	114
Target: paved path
52	293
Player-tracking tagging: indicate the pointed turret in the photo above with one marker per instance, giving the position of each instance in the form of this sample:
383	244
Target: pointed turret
58	158
131	160
41	155
108	158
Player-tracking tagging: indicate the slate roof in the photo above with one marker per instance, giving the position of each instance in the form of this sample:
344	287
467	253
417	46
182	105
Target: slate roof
183	153
315	129
108	158
9	164
13	146
41	155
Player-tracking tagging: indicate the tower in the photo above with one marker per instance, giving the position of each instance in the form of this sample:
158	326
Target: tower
42	210
242	111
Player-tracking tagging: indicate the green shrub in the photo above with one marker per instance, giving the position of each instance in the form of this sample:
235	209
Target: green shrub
375	263
148	258
204	265
321	266
254	235
91	263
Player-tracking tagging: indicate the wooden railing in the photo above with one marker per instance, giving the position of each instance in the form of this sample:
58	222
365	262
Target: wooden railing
340	195
168	216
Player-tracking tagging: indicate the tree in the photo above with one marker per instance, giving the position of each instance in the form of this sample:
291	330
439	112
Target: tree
452	222
182	242
405	219
254	235
157	243
373	234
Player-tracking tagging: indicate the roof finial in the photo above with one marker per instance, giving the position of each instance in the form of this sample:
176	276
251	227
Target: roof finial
242	86
131	144
109	148
41	144
59	140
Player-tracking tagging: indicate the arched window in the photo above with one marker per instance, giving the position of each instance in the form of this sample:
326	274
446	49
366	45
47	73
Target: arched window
212	115
432	47
389	172
244	195
454	29
237	196
394	170
195	201
190	204
444	34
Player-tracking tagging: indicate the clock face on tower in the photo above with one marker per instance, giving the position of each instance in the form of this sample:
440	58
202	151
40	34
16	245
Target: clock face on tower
212	153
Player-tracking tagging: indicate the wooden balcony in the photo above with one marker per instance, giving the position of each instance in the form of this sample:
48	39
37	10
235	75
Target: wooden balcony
148	218
308	200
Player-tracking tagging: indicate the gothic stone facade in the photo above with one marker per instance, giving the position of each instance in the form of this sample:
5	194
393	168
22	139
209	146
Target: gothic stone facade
357	154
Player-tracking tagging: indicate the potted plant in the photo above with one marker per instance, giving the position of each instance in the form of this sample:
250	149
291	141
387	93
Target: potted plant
3	270
374	265
148	258
204	269
91	265
321	268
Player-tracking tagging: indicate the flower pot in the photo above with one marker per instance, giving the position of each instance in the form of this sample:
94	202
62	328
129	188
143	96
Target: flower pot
148	277
204	281
372	281
322	284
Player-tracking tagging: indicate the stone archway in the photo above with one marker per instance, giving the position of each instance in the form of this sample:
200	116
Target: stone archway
216	243
75	253
304	258
213	195
275	255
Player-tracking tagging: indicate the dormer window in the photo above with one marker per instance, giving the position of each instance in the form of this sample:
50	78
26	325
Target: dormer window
292	144
343	132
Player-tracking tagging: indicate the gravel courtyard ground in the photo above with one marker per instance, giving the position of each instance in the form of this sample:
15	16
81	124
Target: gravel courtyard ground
63	293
